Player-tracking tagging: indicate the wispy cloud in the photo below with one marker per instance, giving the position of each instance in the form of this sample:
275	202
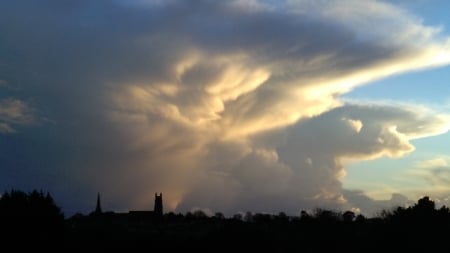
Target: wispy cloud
14	112
436	173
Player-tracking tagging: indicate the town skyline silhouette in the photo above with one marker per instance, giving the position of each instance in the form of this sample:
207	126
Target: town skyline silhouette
35	217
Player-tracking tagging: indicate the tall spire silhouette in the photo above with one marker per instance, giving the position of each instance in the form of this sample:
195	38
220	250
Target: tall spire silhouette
98	208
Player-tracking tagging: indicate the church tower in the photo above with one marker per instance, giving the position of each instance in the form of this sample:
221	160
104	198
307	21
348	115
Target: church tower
98	208
158	209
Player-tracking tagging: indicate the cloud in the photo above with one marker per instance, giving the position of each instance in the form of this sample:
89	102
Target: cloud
435	172
302	166
6	129
253	79
372	207
14	112
434	176
433	163
220	105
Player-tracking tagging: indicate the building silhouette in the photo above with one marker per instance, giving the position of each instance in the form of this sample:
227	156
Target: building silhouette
158	209
134	214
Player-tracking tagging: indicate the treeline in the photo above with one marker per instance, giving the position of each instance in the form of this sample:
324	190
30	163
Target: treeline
30	220
35	220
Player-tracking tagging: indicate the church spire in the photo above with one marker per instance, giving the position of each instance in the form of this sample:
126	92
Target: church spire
98	208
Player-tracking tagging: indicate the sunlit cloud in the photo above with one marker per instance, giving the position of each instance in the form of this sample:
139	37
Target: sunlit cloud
225	105
433	163
14	112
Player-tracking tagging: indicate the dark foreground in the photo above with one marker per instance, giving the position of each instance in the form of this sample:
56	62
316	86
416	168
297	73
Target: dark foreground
420	228
325	232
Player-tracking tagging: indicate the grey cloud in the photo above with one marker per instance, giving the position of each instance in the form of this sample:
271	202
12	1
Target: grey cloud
436	176
372	207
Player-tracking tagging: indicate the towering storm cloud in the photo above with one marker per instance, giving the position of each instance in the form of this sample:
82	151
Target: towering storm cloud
226	105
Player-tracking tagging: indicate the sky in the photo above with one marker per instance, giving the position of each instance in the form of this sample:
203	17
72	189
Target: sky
230	106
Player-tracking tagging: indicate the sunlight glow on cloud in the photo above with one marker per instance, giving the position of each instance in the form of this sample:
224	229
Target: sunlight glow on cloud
225	105
261	86
247	92
14	112
433	163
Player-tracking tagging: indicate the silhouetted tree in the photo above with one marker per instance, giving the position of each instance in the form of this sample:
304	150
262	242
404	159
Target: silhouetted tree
360	218
261	217
33	216
200	214
424	205
326	216
34	204
305	216
237	216
348	216
219	216
444	210
282	216
248	217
